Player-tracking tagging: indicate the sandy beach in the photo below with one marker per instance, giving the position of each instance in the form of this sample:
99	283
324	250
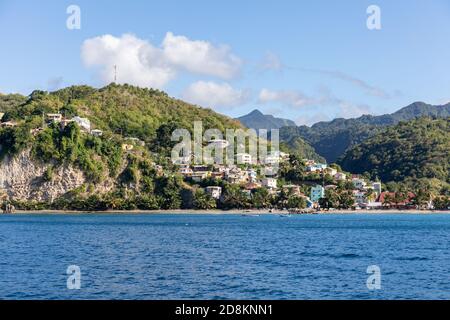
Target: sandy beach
223	212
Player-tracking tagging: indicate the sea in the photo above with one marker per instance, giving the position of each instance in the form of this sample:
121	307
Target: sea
225	256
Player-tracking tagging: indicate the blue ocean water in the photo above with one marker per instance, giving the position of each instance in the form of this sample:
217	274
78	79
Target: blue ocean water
224	256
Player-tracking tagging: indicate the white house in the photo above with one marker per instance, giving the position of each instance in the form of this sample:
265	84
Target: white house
270	183
340	176
317	193
214	192
84	123
244	158
377	187
330	171
359	184
360	197
97	132
1	115
54	117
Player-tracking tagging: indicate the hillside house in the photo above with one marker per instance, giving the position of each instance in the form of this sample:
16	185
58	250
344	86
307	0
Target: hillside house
359	184
243	158
339	176
317	193
97	133
270	183
214	192
84	123
54	117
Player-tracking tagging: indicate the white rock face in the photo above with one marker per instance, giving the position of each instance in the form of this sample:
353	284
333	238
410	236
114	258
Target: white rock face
22	179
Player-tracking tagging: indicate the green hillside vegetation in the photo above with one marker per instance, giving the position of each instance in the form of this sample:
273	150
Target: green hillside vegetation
332	139
121	111
416	152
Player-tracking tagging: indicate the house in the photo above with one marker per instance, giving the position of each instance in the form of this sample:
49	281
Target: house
252	186
8	124
200	168
54	117
331	171
359	184
1	115
317	193
186	171
97	133
377	187
407	202
292	189
270	183
252	175
360	197
84	123
339	176
214	192
318	167
243	158
200	175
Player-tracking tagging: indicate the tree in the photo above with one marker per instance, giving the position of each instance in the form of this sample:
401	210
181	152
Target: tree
261	198
346	200
296	202
203	201
234	198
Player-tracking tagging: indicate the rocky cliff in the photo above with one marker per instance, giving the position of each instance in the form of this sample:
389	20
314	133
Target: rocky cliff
23	178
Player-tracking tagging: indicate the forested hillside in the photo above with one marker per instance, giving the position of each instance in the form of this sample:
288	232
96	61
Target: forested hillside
407	152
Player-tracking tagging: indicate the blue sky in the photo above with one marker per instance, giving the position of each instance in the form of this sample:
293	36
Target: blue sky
303	60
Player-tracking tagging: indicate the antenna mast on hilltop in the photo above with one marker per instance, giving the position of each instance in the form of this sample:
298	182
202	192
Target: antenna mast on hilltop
115	73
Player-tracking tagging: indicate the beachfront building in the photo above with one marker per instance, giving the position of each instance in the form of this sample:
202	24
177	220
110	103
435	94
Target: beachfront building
214	192
317	193
377	187
360	197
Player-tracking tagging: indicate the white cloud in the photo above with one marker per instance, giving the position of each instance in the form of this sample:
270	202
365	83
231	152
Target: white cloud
212	94
138	62
289	98
141	63
201	57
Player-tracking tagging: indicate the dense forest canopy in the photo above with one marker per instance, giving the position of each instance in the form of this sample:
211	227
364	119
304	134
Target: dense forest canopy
409	151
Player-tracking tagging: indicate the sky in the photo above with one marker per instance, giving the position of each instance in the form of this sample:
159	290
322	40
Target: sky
308	61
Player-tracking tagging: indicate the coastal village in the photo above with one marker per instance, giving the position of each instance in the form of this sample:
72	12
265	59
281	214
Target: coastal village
249	174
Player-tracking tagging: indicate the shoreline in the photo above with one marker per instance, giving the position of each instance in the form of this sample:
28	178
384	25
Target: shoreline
223	212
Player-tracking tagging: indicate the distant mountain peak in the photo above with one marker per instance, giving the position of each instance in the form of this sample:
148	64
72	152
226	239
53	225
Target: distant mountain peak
257	120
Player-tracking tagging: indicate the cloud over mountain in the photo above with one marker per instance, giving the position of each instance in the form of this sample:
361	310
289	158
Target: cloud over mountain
141	63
